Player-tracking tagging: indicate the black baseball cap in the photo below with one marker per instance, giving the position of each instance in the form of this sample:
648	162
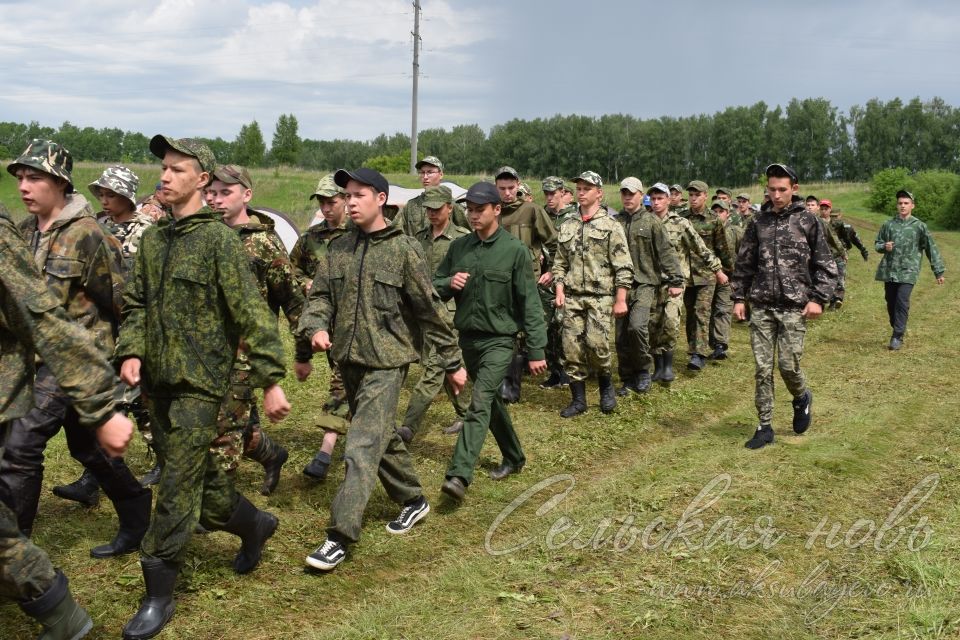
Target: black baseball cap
780	170
483	193
362	175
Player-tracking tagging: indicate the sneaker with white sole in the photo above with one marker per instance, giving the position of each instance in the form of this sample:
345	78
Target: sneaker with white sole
410	515
327	556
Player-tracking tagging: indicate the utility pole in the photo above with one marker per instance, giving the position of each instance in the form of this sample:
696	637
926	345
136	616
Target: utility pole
416	79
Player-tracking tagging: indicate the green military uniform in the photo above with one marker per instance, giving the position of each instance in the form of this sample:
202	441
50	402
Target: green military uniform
839	253
592	262
498	301
847	234
721	308
698	295
413	217
434	376
369	293
554	316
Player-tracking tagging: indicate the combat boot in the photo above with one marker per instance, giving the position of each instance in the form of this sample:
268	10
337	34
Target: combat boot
578	404
657	367
272	456
157	606
608	396
667	374
85	490
254	527
134	515
58	612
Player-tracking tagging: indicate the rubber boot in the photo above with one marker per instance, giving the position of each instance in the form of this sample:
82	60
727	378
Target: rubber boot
578	403
272	456
134	515
657	367
254	528
85	490
667	374
157	605
642	381
608	395
58	612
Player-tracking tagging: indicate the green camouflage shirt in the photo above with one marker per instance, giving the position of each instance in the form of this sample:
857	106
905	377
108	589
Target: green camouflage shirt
688	244
654	258
82	266
311	246
710	228
127	234
558	217
911	239
837	249
373	295
32	323
190	299
413	217
435	248
593	258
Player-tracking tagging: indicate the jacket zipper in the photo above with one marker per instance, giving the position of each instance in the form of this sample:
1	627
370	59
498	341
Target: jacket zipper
356	310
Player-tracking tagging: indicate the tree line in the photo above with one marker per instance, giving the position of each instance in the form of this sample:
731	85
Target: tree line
729	147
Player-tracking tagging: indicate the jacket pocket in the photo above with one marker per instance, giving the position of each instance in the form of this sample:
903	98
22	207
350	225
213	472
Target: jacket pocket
63	274
386	290
498	289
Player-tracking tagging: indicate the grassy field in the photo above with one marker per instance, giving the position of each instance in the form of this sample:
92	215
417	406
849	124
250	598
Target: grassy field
653	522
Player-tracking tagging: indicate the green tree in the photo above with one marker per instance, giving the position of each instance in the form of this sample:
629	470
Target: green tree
249	148
285	148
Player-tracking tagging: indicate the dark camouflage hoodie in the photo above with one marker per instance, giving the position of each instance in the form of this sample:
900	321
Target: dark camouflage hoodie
784	260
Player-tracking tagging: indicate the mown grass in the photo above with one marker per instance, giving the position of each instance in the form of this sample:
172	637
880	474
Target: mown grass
883	423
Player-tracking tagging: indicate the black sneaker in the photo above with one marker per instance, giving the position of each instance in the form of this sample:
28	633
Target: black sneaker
410	515
761	437
318	467
802	411
327	556
895	343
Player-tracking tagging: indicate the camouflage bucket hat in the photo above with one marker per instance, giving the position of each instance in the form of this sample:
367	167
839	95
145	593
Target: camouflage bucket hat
120	180
436	197
233	174
432	160
551	184
46	156
327	188
159	145
590	177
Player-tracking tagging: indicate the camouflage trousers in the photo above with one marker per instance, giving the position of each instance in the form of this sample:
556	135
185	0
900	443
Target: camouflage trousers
841	279
587	321
431	381
665	323
776	333
698	305
633	332
193	486
554	319
239	434
487	358
720	316
373	449
335	415
25	570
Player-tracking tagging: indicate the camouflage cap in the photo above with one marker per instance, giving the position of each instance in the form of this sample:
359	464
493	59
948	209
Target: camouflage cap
590	177
46	156
780	170
436	197
835	213
233	174
698	185
524	189
120	180
631	184
327	188
723	204
569	187
160	144
551	184
724	190
510	172
661	187
743	196
676	187
903	193
432	160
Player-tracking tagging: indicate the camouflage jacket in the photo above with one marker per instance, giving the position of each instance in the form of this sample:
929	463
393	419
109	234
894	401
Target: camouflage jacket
654	258
911	239
688	244
563	214
189	300
127	234
274	275
593	258
734	237
784	261
33	323
848	236
533	227
413	217
435	249
373	294
311	246
710	228
82	266
153	208
837	249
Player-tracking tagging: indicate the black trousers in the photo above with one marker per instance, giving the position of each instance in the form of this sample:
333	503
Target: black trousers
21	468
898	305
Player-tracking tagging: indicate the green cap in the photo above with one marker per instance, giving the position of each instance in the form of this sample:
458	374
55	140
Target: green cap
724	190
233	174
160	144
326	188
436	197
46	156
120	180
723	204
698	185
676	187
743	196
433	160
590	177
551	184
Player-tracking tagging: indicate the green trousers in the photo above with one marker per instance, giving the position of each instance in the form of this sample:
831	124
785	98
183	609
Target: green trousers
487	358
633	332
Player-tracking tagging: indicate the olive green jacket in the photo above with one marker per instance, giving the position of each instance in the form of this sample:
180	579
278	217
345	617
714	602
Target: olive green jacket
654	258
911	239
535	229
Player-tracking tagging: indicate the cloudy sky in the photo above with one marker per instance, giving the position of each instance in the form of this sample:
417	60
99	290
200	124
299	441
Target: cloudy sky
343	67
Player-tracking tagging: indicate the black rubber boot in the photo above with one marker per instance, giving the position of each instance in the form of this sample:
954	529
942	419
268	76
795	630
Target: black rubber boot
85	490
642	381
608	396
134	515
578	404
157	606
272	456
667	374
254	528
62	618
657	367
